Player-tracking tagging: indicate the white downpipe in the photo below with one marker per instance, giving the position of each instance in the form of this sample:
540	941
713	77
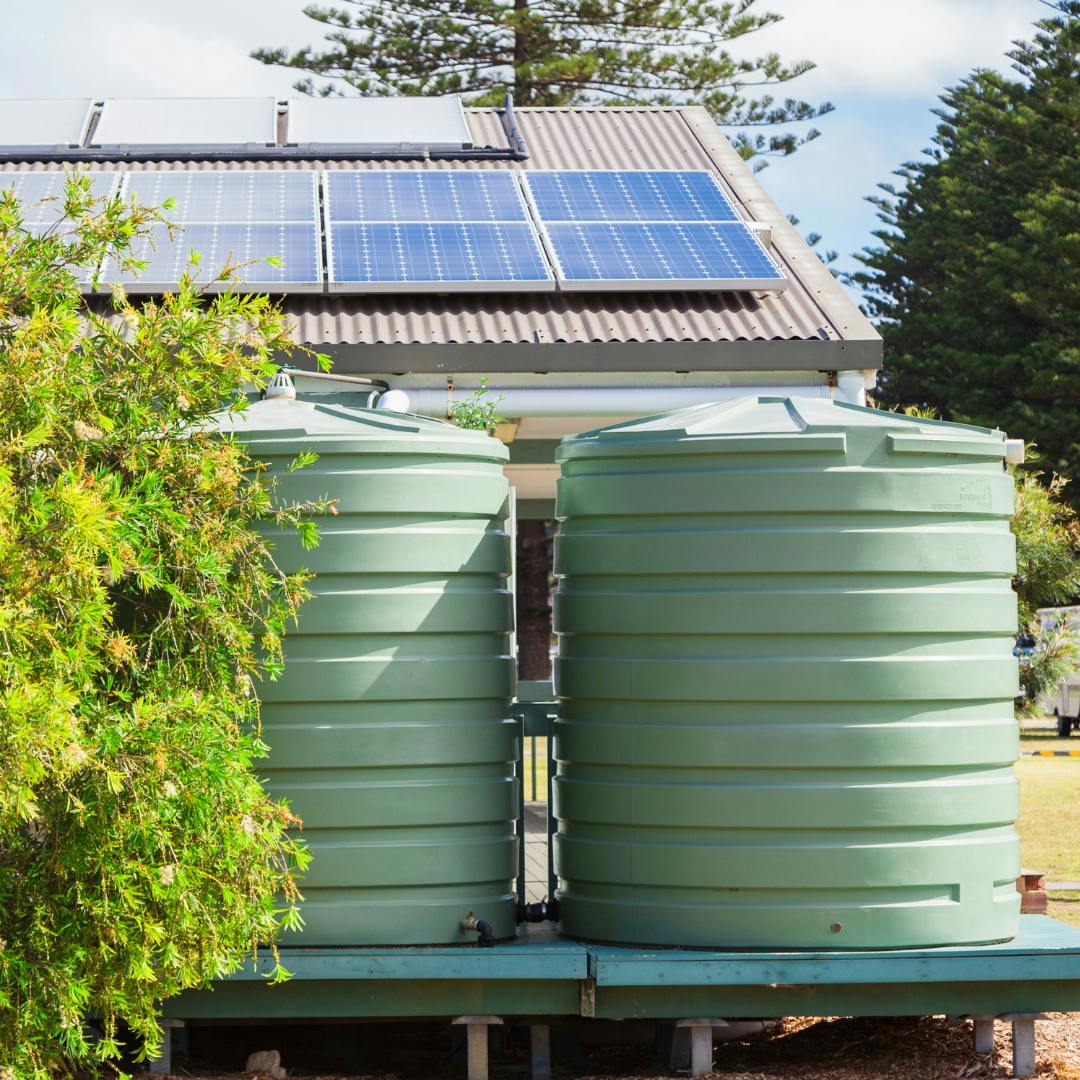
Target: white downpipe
851	387
595	401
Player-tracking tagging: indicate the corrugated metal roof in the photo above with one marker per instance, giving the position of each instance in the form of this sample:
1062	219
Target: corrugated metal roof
540	318
601	138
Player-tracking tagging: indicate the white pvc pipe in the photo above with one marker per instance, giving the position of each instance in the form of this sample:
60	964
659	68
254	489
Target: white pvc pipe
518	401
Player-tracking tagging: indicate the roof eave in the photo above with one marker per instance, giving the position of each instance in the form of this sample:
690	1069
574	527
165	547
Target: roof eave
449	358
836	305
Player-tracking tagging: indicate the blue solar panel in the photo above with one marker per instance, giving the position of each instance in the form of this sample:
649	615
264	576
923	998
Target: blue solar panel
229	216
489	255
629	196
294	244
33	187
415	195
666	255
217	195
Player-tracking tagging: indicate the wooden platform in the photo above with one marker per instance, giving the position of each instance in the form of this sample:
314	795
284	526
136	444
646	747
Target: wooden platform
540	974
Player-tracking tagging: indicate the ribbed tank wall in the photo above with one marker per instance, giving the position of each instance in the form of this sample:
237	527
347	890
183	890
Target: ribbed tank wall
390	731
786	679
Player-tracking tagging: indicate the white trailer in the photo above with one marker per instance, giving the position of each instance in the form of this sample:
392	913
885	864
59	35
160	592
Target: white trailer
1064	701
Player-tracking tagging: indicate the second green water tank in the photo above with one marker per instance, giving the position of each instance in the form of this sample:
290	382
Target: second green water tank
787	680
390	731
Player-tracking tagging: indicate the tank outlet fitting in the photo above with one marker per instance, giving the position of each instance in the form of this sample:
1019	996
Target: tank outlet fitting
487	934
543	911
1015	451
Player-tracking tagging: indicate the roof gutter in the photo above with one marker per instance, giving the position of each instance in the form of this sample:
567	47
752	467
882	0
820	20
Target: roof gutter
518	402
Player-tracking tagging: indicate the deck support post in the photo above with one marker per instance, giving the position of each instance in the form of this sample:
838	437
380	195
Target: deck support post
540	1045
476	1028
162	1064
701	1043
1023	1040
984	1034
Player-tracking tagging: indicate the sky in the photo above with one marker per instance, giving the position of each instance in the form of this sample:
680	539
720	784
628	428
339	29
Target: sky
882	63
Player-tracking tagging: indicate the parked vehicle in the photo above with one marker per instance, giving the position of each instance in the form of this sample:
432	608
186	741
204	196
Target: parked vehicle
1064	703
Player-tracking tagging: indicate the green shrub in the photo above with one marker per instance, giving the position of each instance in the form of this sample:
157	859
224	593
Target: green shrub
139	855
1047	575
479	411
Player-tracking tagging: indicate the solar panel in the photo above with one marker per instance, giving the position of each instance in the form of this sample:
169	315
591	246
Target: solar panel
230	215
41	194
647	229
435	195
187	122
228	194
43	122
429	255
660	255
293	244
565	195
424	230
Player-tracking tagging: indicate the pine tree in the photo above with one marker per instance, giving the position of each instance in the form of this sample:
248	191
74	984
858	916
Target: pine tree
976	282
557	52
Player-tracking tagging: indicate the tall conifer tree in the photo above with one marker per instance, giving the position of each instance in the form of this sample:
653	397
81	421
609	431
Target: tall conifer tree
558	52
976	282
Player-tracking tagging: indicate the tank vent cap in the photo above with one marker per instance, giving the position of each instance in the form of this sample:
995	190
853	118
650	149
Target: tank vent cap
280	386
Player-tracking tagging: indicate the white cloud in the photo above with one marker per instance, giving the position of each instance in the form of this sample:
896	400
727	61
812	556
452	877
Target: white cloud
898	48
123	48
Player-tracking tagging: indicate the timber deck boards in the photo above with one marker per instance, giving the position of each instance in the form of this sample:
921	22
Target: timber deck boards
539	973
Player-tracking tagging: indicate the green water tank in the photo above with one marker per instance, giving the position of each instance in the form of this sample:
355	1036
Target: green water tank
786	674
390	731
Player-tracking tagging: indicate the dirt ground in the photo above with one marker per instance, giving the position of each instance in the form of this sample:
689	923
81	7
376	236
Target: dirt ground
835	1049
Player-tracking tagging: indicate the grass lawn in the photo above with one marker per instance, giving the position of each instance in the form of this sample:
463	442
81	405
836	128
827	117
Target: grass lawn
1041	735
1050	826
540	792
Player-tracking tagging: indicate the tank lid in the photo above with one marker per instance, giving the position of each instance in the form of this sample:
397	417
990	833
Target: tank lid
285	418
734	424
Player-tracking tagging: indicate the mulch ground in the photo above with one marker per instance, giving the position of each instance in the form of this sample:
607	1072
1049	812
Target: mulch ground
871	1048
836	1049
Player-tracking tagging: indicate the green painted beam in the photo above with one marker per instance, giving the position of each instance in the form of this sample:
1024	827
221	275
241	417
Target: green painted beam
921	998
533	451
329	999
534	962
534	509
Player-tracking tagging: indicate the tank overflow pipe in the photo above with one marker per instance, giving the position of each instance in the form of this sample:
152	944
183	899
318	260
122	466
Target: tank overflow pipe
360	380
487	935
